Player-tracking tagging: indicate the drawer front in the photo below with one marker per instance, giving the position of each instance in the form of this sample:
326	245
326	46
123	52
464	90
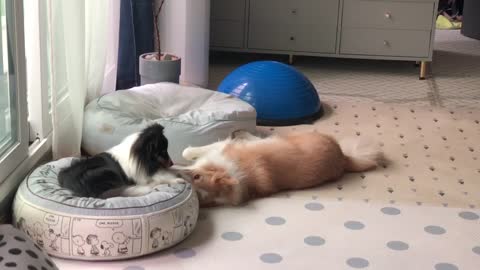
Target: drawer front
300	25
290	38
408	43
271	37
230	10
388	14
227	23
275	12
322	13
312	38
228	34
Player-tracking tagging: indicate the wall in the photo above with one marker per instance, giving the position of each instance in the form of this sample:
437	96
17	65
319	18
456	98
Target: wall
185	32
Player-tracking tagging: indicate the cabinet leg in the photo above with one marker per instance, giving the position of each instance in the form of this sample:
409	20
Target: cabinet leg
423	70
290	59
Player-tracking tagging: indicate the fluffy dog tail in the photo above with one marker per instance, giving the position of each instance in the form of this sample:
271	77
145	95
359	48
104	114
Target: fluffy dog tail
360	154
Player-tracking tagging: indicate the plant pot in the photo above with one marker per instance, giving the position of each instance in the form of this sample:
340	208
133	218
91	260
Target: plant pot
152	70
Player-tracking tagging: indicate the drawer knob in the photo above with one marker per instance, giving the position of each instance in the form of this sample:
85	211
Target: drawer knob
388	15
294	11
386	43
292	38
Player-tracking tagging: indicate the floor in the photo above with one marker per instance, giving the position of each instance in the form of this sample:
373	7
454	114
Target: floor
454	75
419	212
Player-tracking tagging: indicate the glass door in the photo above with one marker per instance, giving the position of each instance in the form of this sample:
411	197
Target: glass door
13	105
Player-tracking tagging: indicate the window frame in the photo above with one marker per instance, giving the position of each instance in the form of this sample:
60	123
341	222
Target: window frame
18	152
40	150
37	72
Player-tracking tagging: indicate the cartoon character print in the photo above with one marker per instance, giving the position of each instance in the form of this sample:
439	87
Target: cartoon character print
38	233
177	217
92	240
48	171
189	221
53	237
22	225
122	241
187	226
155	235
167	237
183	220
106	246
79	242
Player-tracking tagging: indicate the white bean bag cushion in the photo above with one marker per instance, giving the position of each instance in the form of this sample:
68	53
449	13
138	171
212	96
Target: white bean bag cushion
191	116
101	229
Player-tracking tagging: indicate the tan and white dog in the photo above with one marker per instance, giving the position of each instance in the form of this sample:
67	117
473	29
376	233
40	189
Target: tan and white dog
245	166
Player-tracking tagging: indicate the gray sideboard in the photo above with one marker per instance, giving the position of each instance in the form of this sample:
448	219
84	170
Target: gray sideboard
369	29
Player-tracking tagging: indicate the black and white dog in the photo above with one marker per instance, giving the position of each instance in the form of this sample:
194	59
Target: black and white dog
132	168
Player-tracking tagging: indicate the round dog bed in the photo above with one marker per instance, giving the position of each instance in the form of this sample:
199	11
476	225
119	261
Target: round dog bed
101	229
191	117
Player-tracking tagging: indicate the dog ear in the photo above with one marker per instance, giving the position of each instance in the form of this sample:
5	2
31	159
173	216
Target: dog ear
150	149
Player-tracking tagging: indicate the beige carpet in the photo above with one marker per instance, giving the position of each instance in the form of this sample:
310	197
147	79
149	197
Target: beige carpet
434	154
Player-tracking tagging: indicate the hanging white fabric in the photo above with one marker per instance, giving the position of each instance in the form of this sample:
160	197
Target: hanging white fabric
113	27
101	41
81	37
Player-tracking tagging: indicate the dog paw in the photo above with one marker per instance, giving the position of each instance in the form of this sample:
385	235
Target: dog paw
178	181
135	191
171	181
189	154
242	134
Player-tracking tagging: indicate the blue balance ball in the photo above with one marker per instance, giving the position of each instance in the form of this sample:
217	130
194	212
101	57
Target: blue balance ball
280	93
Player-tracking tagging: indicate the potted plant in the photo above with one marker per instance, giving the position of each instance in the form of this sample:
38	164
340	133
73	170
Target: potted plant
159	66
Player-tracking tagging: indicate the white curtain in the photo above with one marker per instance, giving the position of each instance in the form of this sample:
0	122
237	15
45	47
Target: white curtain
82	45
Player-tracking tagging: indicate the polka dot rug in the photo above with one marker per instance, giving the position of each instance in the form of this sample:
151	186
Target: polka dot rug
17	251
419	212
337	235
